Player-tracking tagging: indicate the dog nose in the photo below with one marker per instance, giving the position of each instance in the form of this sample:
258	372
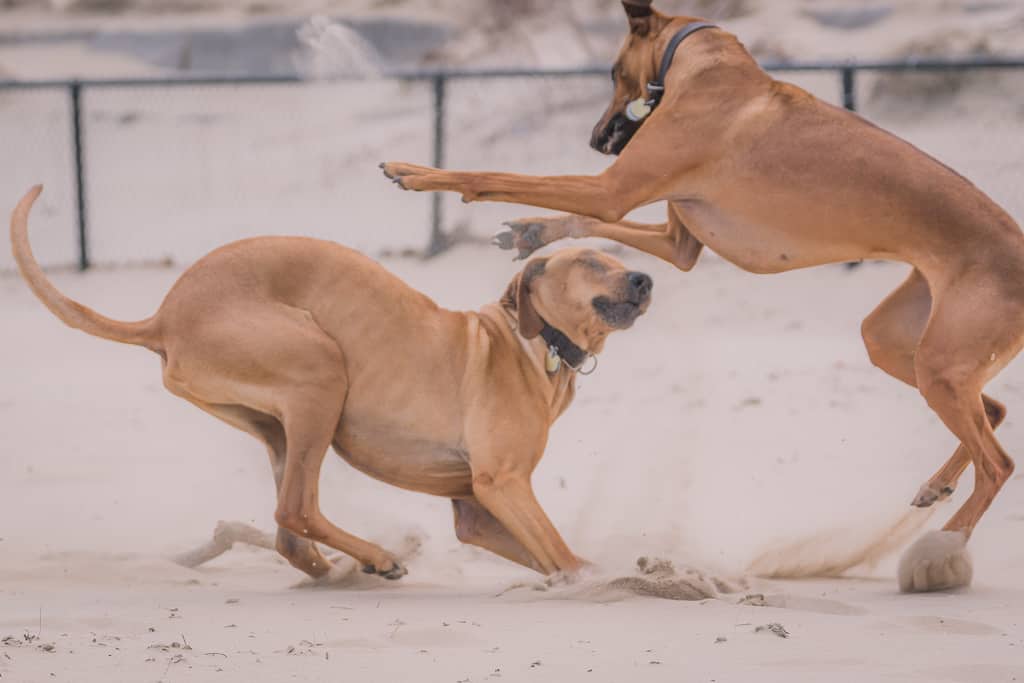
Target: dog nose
641	284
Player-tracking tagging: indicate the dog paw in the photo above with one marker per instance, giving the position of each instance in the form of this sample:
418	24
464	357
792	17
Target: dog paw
391	571
935	562
525	235
929	495
406	176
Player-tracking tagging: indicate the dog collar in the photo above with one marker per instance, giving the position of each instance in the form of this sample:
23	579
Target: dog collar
639	108
561	349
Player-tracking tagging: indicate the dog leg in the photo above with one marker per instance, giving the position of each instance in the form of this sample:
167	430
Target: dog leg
891	335
669	241
309	424
300	552
942	484
957	355
511	500
608	196
476	526
276	361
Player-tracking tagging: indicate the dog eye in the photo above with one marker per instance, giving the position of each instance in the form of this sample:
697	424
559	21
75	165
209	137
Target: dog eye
613	74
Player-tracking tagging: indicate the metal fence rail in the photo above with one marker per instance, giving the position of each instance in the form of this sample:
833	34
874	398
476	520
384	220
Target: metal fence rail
846	71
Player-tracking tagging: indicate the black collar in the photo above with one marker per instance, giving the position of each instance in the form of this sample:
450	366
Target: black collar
571	355
656	88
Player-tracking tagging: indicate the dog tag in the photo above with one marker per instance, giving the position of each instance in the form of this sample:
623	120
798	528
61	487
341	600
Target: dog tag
552	361
638	109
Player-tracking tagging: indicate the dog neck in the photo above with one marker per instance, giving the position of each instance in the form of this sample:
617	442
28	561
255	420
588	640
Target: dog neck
559	343
551	340
656	88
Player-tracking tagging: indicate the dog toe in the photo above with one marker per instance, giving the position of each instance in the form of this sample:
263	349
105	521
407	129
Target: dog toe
927	496
395	573
505	239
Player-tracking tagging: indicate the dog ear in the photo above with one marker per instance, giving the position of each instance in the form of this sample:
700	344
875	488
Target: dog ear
517	298
639	13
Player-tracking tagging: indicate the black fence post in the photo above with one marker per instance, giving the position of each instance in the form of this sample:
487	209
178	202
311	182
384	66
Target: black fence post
849	87
76	123
437	237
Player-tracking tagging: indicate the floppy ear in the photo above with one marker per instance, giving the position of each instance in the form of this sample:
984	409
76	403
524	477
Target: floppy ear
517	298
639	13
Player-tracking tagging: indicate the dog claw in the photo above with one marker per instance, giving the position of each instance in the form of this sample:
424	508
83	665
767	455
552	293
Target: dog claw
524	236
504	239
927	496
396	572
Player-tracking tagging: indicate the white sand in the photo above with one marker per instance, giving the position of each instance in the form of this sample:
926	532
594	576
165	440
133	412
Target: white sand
740	411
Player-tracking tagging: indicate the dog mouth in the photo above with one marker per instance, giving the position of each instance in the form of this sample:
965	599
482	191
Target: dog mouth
616	135
619	314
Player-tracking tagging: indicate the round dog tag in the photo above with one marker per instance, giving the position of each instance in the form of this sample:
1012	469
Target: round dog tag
638	109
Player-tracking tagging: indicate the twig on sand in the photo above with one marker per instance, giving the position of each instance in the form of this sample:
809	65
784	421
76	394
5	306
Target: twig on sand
225	535
343	569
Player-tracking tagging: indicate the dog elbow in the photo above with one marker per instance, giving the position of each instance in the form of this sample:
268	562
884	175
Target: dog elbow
610	214
483	481
487	484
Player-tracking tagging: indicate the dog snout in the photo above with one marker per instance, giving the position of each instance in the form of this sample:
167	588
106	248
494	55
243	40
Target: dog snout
640	285
600	137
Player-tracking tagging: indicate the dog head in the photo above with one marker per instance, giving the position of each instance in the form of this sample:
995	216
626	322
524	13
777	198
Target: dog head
635	66
581	292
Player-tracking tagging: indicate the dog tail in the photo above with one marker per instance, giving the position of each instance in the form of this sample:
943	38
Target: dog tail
74	314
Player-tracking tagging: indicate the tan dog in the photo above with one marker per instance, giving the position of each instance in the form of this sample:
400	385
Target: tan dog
306	344
773	179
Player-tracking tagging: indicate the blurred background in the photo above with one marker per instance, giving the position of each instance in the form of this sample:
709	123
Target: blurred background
168	172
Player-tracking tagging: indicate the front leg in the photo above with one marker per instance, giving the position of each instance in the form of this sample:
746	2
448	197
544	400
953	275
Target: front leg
608	196
670	241
511	500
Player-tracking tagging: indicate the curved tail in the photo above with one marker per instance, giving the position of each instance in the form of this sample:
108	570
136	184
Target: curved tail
73	314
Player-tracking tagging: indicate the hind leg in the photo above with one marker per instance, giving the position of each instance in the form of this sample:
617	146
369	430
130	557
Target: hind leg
310	419
891	335
301	553
964	346
277	362
942	484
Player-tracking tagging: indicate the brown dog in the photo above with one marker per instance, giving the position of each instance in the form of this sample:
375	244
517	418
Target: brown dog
773	179
306	344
